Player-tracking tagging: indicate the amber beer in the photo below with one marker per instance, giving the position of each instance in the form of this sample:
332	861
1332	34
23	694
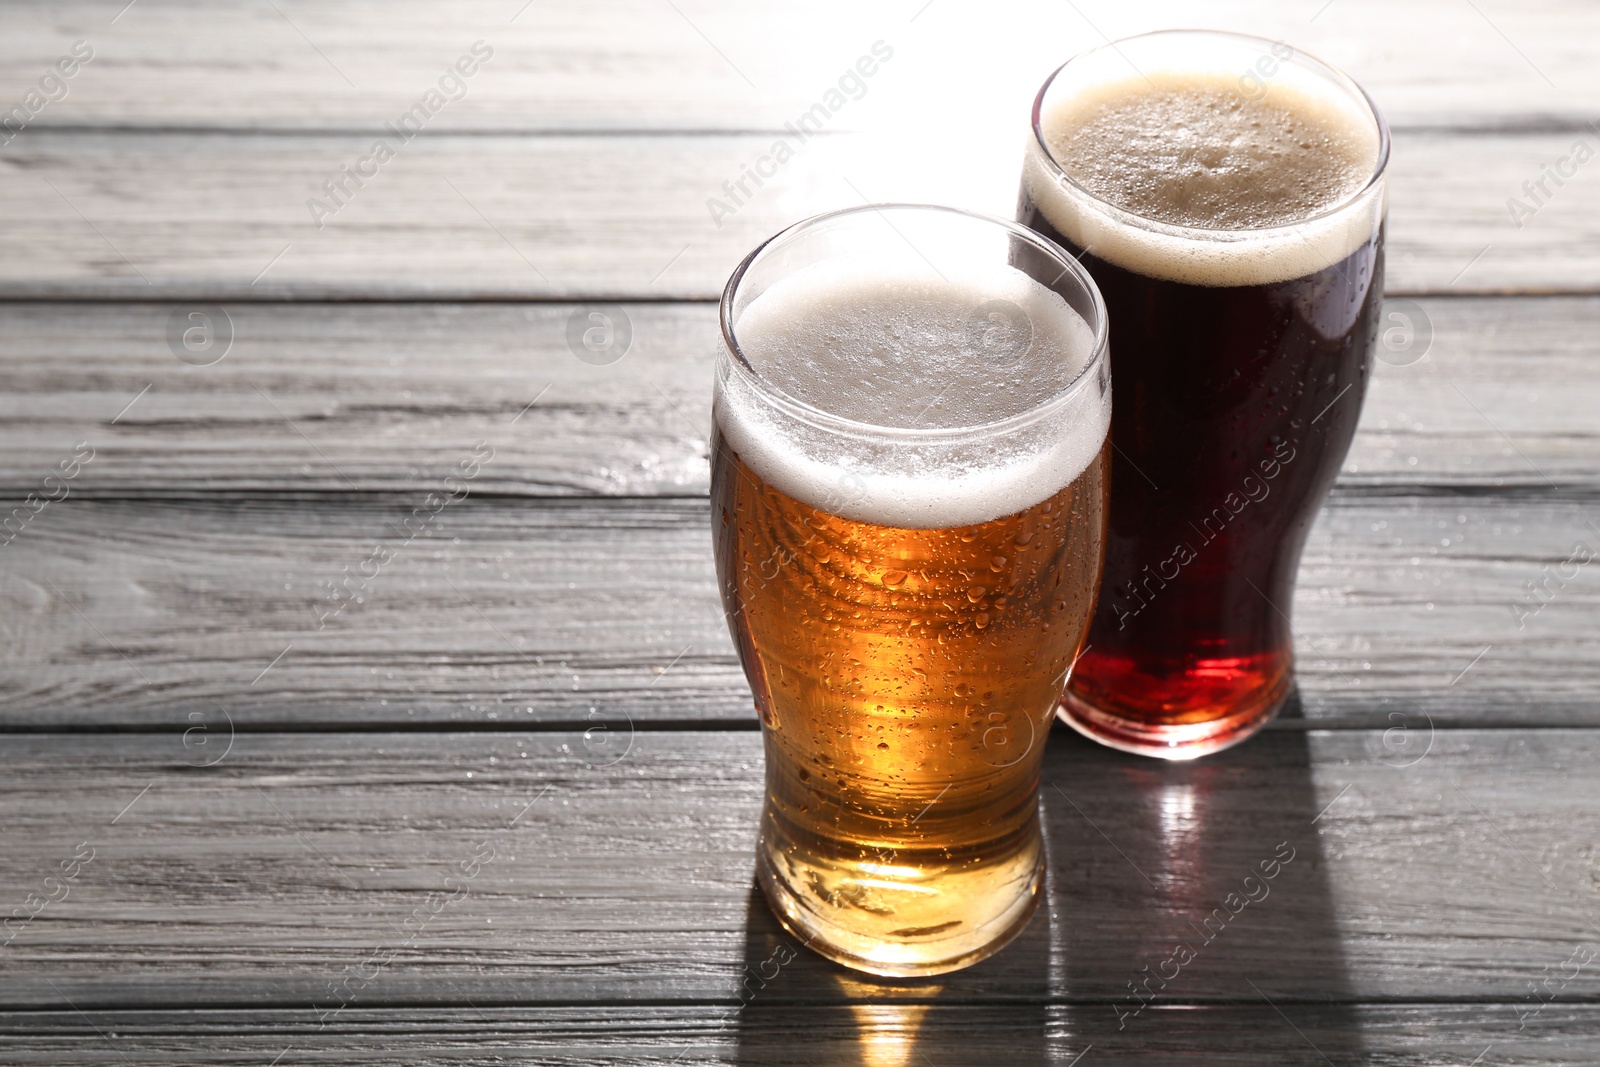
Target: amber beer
908	498
1229	201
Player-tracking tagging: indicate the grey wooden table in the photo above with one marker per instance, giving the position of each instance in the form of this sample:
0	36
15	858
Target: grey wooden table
311	755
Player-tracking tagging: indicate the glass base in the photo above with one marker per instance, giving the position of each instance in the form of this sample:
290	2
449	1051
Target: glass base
897	920
1174	741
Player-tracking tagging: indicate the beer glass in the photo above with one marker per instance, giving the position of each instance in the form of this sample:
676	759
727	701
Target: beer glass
1227	195
908	492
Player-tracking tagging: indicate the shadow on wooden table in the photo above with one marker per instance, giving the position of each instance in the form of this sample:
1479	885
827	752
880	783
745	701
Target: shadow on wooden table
1187	919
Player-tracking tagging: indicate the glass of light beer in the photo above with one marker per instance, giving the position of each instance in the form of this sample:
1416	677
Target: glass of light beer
908	491
1227	195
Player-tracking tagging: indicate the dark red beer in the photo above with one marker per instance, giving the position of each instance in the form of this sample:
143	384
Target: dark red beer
1237	394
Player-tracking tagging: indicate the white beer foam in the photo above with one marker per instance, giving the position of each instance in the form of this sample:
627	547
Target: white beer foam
1259	174
919	365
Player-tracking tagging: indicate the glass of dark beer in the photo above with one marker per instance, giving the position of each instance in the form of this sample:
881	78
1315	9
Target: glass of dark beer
907	507
1227	194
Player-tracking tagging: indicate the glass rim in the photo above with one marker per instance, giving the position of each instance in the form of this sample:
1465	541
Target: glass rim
1210	234
828	421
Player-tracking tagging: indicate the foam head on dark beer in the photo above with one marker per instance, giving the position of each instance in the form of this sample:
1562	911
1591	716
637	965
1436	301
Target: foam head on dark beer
886	385
1199	176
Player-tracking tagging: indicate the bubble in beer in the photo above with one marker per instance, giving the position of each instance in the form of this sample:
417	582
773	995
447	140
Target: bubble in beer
890	346
1191	150
1256	181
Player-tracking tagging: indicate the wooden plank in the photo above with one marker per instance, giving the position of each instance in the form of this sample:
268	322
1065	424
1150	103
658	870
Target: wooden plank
1412	611
1442	609
280	874
327	397
323	398
493	613
159	216
884	1033
619	64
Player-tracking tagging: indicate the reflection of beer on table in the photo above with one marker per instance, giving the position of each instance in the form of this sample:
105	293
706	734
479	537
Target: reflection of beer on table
1234	229
907	590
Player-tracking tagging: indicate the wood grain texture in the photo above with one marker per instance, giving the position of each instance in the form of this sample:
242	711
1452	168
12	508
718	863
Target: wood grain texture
140	216
379	397
281	876
358	397
634	64
1413	609
494	613
254	896
885	1034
